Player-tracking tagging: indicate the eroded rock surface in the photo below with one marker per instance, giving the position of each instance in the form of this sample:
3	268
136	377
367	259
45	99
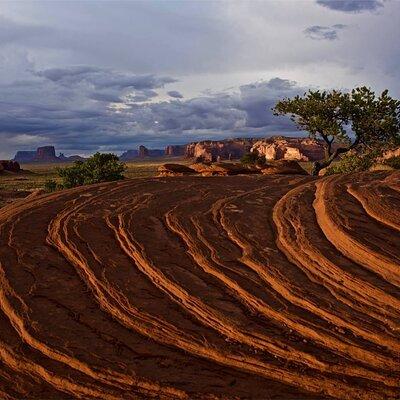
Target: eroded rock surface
283	167
246	287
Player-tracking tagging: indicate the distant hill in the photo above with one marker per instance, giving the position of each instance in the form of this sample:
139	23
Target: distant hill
44	154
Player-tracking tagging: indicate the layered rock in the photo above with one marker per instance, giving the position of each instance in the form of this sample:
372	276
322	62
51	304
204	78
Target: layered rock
175	150
46	154
283	167
143	151
299	149
273	148
226	169
175	170
209	151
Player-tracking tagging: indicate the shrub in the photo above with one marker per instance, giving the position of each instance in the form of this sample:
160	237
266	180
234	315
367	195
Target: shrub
98	168
393	162
353	163
50	185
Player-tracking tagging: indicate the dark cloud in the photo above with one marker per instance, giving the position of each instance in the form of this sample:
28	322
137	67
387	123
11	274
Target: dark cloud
351	6
102	78
83	117
175	94
317	32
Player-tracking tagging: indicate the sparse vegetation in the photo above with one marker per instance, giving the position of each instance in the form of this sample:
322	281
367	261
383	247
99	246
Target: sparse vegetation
35	175
253	158
359	120
50	185
98	168
353	162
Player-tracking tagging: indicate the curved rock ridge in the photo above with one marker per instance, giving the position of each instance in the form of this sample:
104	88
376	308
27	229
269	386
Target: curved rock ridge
236	287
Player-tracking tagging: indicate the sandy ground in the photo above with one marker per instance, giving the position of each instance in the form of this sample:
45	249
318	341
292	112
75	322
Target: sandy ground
244	287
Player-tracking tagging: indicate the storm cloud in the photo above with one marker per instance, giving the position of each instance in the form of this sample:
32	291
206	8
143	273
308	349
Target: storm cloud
111	75
70	109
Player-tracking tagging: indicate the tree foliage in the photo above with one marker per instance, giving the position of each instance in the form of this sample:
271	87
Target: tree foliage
357	120
98	168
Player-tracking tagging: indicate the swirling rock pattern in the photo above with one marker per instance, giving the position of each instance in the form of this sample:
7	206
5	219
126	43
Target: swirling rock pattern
243	287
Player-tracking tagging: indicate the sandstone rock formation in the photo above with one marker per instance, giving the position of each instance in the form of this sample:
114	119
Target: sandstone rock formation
228	149
46	154
175	150
10	165
273	148
175	170
225	169
247	287
25	156
300	149
283	167
143	151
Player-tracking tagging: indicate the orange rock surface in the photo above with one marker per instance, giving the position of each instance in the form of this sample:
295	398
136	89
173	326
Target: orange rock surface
239	287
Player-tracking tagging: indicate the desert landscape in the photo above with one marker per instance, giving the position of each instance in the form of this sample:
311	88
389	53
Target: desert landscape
238	287
199	200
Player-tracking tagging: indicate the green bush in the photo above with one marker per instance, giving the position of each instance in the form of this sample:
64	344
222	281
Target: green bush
353	163
393	162
98	168
50	185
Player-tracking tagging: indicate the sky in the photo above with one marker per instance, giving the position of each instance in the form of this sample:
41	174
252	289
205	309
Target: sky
90	76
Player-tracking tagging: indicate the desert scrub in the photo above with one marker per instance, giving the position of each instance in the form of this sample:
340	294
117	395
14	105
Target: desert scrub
353	163
50	185
98	168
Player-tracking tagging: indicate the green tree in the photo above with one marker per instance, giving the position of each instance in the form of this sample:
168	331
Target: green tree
344	121
98	168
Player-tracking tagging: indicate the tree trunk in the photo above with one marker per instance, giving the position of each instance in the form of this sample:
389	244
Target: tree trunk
318	165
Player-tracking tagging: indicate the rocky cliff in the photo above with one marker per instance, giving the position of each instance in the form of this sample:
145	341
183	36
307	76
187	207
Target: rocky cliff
273	148
219	150
283	148
44	154
25	156
175	150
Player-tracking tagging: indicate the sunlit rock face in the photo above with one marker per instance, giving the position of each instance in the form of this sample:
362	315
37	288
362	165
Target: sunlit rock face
211	151
299	149
273	148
